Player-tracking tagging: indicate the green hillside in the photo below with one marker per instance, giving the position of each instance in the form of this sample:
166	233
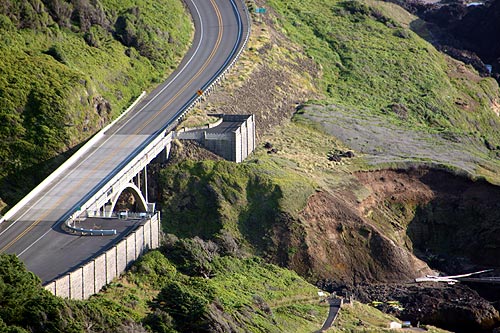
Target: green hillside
68	68
387	94
72	66
371	61
165	291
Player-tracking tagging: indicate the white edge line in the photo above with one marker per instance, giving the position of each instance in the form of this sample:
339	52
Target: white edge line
94	139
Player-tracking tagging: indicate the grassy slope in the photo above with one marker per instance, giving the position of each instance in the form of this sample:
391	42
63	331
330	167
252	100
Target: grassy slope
158	294
58	85
373	63
369	62
246	294
230	198
253	296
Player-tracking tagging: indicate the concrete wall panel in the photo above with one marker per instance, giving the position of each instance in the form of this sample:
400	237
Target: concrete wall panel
111	269
121	257
251	134
100	272
155	231
147	235
139	241
244	141
88	279
131	249
76	284
237	147
62	287
51	287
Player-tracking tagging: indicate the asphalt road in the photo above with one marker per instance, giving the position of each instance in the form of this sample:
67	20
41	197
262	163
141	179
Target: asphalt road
34	234
335	305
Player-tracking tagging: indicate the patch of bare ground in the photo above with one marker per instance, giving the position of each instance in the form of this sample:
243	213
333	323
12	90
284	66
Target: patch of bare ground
190	150
345	247
495	106
404	217
391	144
349	238
271	78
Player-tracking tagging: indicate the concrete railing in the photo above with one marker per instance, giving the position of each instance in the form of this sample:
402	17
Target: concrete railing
89	278
67	164
151	147
126	172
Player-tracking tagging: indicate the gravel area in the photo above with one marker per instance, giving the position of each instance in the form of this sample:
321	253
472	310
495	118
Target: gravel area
384	142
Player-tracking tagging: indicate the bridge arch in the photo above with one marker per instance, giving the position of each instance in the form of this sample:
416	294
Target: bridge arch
141	203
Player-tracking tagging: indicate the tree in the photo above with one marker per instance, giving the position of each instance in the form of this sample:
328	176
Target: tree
25	303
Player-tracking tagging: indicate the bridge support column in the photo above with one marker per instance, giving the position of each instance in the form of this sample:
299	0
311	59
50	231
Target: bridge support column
145	191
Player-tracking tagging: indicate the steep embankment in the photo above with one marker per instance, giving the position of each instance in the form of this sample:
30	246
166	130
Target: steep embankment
389	100
451	221
67	68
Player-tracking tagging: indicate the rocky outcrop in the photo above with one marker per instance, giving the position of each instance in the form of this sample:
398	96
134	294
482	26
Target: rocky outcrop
479	30
465	31
456	308
343	246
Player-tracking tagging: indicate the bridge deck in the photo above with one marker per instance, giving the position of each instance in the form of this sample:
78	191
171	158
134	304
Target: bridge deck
34	233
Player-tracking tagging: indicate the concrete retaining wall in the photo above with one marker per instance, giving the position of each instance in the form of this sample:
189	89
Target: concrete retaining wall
88	279
234	145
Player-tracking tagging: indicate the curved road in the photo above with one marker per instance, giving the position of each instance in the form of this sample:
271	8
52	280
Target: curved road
34	233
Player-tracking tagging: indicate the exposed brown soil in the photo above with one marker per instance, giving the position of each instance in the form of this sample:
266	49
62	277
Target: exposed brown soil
273	70
190	150
409	215
344	246
431	214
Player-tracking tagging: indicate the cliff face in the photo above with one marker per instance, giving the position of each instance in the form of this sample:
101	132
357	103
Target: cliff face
346	247
450	221
479	30
406	220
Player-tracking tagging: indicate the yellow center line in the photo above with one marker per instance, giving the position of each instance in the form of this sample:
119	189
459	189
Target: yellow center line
202	69
110	156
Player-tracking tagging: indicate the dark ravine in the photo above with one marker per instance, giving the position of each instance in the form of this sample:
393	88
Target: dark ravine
467	33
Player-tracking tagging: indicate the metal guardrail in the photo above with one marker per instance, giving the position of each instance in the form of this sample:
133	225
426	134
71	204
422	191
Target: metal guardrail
166	129
106	232
92	232
142	149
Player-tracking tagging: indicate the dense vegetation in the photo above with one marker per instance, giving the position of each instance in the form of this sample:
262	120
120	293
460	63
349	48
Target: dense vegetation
226	201
68	67
223	213
167	291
